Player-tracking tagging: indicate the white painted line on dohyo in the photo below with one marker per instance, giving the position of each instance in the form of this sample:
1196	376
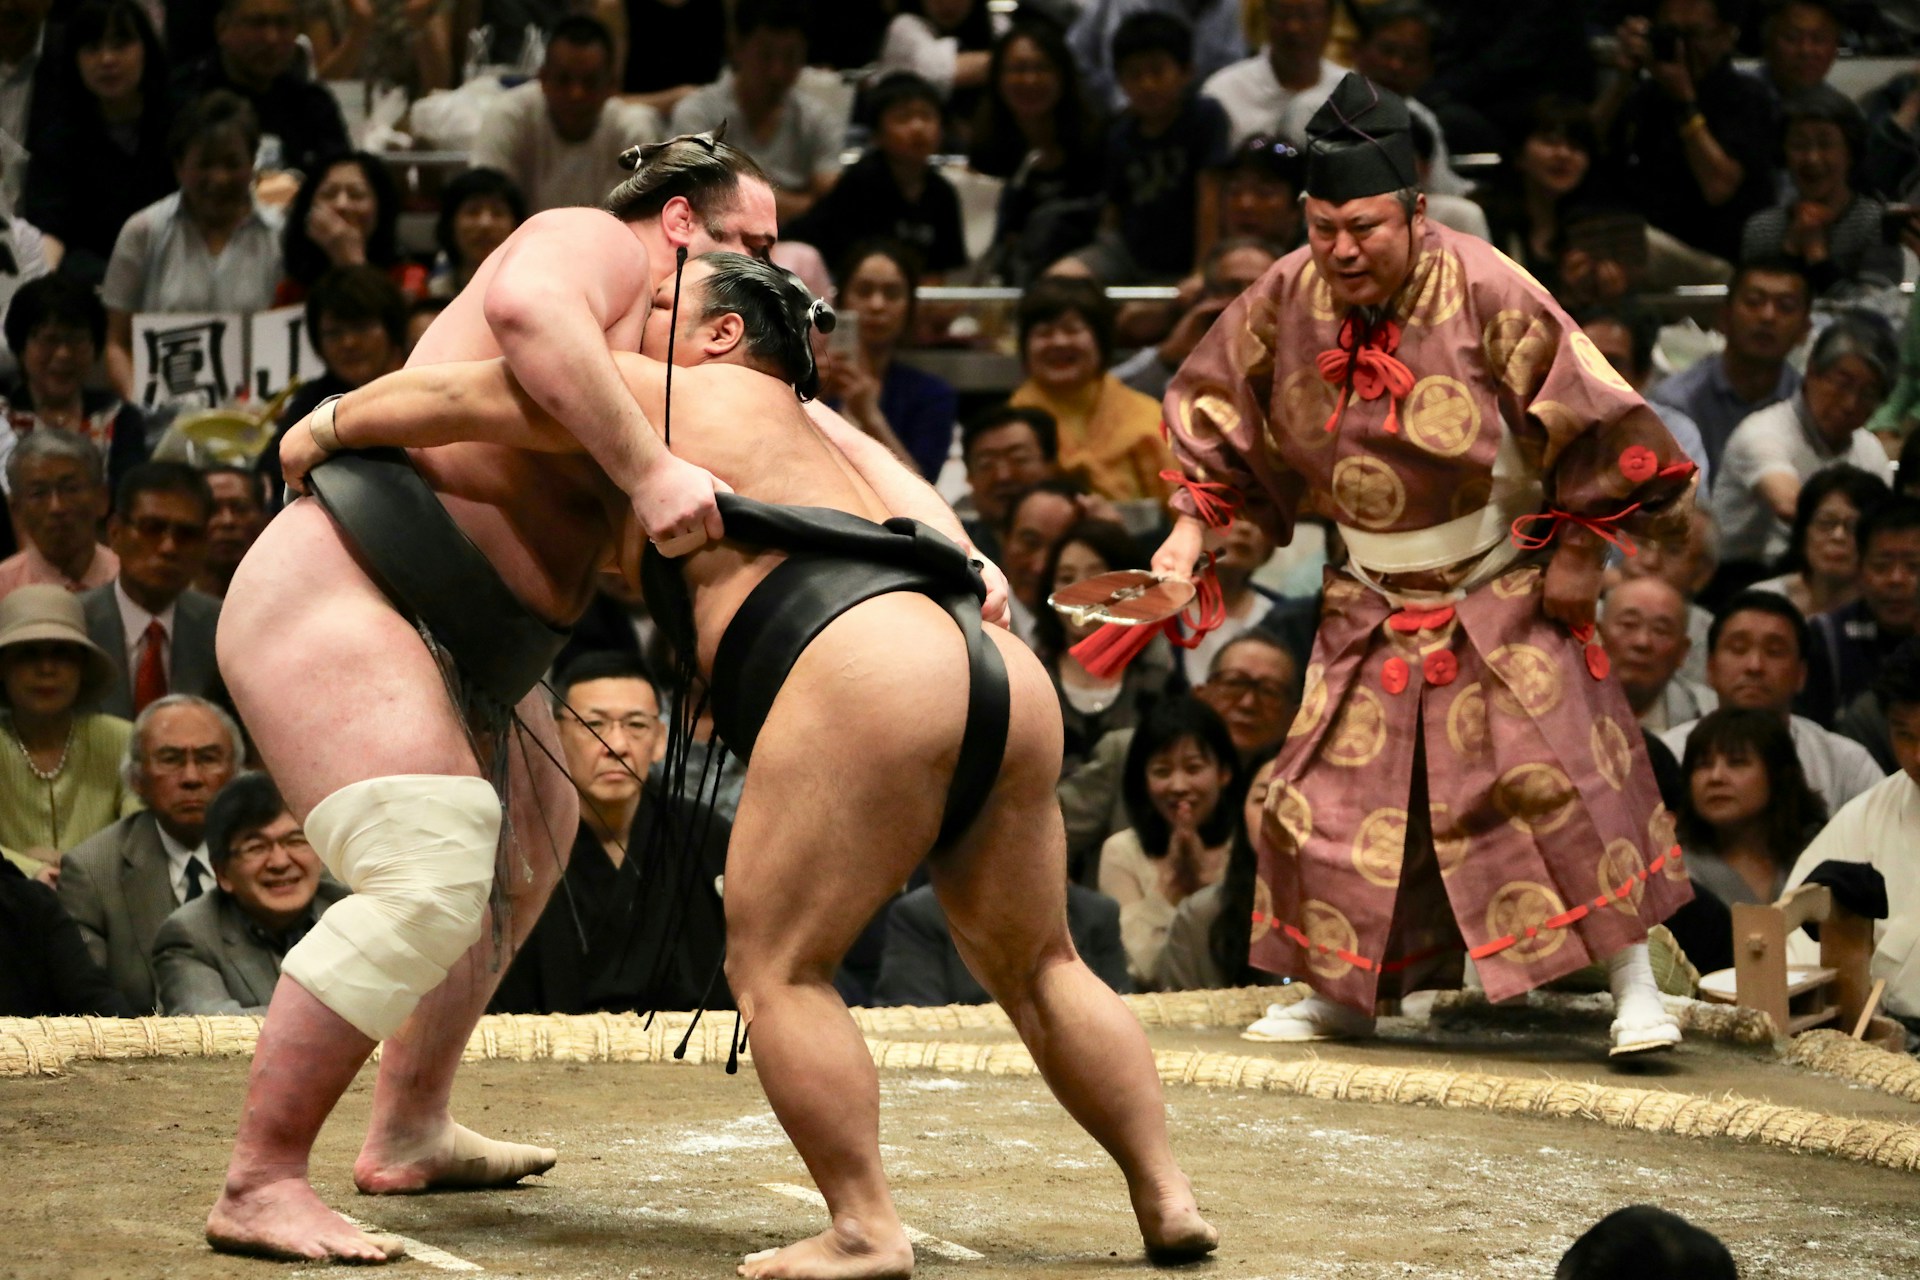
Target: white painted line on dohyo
418	1251
932	1244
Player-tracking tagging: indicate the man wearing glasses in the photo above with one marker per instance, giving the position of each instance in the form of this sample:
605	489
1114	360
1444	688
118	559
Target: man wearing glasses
221	952
157	630
256	42
594	948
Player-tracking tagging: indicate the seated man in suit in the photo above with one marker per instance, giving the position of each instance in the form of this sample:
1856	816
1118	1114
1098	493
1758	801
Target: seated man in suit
158	632
221	952
609	938
122	884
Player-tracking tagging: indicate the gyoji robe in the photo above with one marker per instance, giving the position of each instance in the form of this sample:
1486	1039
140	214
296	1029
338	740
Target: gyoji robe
1462	769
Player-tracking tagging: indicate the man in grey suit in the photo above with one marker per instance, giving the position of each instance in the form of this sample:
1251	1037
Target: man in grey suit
158	632
122	883
221	952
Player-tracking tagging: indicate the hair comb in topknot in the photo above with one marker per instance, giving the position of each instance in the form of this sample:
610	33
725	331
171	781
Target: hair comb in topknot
821	316
642	155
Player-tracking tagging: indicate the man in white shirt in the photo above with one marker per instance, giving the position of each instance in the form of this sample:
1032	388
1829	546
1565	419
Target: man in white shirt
795	139
1775	451
1882	829
560	137
1278	89
1758	662
1643	623
121	884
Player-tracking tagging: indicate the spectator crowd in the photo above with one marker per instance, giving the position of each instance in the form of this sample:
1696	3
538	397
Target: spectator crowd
1726	195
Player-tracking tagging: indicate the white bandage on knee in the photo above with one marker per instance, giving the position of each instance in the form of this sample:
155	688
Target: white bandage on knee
418	853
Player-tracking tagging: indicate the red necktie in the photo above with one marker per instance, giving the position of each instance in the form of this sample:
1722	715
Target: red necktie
150	682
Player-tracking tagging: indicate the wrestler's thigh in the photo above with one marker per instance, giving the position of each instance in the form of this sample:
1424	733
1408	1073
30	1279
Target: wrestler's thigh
1003	885
333	685
847	785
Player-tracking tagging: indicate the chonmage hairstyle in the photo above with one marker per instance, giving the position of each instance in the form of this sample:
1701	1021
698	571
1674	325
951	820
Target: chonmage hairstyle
778	311
699	167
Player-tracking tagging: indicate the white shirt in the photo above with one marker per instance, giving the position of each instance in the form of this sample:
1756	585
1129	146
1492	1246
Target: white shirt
804	145
1198	660
1882	829
517	137
1837	768
134	621
913	45
1777	440
178	855
1256	101
1681	701
161	262
16	88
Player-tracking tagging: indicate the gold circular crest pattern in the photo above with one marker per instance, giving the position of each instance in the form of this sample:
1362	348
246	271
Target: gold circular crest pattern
1662	831
1521	905
1262	910
1519	270
1340	595
1612	755
1467	722
1450	847
1327	926
1370	493
1313	702
1381	846
1596	364
1207	414
1620	867
1441	417
1443	287
1306	401
1517	582
1253	346
1292	813
1360	732
1518	347
1531	681
1536	798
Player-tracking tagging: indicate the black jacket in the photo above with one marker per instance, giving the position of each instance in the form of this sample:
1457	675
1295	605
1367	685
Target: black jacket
45	970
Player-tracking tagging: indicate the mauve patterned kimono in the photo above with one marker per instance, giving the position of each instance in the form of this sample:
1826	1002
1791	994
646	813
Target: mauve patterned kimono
1462	770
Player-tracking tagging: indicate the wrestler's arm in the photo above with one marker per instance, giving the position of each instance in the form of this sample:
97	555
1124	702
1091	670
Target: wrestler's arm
549	305
905	494
434	404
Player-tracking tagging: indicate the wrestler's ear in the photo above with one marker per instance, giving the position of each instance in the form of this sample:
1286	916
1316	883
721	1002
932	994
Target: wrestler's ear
726	333
677	221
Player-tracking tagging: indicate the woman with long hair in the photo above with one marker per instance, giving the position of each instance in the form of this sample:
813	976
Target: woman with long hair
99	144
1542	177
1212	931
1180	789
879	394
1821	570
1747	812
1036	130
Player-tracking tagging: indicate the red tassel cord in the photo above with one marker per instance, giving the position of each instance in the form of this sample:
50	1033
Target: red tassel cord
1106	653
1599	526
1363	364
1213	502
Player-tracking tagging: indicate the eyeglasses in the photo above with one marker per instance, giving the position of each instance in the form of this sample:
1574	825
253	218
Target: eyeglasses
633	726
1835	524
260	846
50	340
176	759
1235	687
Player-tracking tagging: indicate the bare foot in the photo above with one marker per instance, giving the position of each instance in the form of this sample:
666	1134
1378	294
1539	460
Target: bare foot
287	1220
1171	1225
845	1251
453	1157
